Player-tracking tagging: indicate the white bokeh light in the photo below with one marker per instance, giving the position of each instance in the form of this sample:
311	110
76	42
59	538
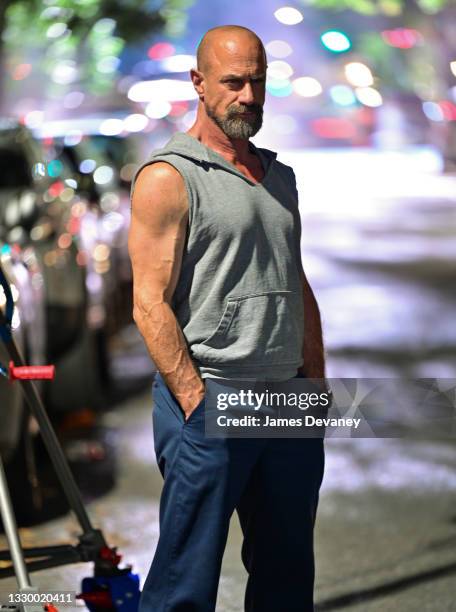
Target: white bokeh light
158	109
178	63
56	30
306	86
34	119
358	74
73	138
279	48
103	175
65	72
172	90
135	122
369	96
288	15
111	127
104	26
278	69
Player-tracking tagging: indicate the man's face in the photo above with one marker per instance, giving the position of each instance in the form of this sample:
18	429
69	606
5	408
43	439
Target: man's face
234	87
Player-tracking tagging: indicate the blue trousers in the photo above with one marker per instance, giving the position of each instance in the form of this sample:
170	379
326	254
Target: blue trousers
273	485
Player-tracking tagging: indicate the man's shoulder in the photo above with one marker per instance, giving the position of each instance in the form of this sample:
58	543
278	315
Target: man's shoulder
157	175
161	171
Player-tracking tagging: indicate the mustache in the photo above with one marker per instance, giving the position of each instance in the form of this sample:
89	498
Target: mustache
234	111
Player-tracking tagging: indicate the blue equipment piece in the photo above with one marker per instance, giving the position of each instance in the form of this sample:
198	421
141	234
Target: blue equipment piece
120	593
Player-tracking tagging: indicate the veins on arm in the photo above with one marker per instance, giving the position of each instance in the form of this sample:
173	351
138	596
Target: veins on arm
156	243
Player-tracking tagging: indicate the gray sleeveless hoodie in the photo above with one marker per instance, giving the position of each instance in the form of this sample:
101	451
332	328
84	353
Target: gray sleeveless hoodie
239	295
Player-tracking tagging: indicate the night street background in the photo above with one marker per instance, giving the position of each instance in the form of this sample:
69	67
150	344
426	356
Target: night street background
361	102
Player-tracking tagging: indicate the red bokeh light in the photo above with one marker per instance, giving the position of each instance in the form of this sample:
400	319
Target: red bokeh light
333	128
56	189
178	109
21	71
160	51
448	110
402	38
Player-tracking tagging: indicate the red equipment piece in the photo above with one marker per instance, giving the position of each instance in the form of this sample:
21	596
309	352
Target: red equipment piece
46	372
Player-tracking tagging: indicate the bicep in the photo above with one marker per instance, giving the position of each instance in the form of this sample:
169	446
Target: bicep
157	231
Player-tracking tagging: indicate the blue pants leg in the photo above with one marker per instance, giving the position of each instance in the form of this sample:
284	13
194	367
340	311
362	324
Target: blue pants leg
203	481
273	484
277	514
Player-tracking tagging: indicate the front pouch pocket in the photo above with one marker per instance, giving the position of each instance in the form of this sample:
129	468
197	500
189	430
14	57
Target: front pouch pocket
256	329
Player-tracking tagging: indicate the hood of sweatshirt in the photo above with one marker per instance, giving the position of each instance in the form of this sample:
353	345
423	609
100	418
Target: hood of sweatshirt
188	146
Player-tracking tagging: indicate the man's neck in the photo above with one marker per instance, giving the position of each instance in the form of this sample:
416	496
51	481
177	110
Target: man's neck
234	150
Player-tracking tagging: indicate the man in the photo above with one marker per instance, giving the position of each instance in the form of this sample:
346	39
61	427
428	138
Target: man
219	291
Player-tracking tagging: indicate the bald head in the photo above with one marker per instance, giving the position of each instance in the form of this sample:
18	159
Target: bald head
223	40
230	81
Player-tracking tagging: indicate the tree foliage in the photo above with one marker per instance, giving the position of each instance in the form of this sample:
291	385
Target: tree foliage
389	8
80	41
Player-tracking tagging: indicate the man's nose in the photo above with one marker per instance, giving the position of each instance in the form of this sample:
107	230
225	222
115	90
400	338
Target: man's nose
247	95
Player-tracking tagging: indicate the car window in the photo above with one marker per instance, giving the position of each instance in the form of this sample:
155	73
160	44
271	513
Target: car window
15	171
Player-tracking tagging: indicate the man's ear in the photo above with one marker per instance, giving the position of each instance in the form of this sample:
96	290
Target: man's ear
198	82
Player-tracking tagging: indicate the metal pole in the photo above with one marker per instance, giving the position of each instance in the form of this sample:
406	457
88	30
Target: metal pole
52	444
50	439
14	543
10	526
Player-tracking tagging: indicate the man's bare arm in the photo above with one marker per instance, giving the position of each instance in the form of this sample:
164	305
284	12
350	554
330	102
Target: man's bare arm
312	350
156	241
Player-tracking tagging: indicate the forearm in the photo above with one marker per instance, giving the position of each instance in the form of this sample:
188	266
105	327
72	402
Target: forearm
166	344
312	350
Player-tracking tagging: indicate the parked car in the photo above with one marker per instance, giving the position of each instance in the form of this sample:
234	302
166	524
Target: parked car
28	325
103	167
18	432
39	208
100	181
88	445
51	246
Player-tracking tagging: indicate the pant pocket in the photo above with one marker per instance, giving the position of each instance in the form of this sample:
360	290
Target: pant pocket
165	399
174	405
256	329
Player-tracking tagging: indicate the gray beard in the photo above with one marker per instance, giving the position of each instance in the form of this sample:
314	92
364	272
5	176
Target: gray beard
237	127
